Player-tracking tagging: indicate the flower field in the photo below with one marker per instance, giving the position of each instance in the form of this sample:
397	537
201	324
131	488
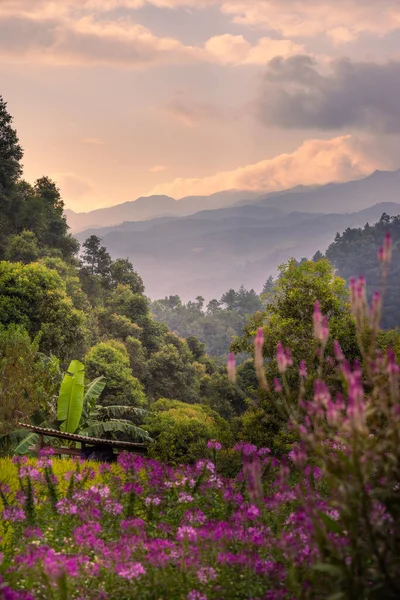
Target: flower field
142	530
320	522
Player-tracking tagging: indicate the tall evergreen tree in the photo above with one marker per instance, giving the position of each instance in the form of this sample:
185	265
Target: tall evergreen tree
11	152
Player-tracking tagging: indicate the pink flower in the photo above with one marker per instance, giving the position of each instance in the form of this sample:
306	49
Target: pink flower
338	351
130	571
152	501
231	367
317	320
214	445
13	514
195	595
206	574
303	369
186	532
324	331
252	512
387	248
283	358
185	497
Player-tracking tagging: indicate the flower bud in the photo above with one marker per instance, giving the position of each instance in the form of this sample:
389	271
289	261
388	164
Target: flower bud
231	366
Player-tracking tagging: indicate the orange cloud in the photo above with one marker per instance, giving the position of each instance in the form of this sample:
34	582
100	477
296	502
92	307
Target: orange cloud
315	162
87	41
236	50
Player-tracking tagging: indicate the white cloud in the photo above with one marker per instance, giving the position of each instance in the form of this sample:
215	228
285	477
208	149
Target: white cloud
314	162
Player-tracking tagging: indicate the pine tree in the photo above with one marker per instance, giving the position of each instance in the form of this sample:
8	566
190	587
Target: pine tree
11	152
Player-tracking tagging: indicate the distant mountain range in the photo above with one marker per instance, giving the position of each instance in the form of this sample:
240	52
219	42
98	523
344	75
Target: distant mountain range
154	206
210	251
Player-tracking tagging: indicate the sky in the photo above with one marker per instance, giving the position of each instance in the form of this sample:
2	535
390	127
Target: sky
116	99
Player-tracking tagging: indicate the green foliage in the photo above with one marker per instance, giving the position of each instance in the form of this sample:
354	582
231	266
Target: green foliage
288	315
115	326
123	301
11	152
354	253
95	258
68	273
28	380
171	373
288	318
22	247
111	360
35	297
214	327
37	209
221	395
123	273
137	358
181	432
71	396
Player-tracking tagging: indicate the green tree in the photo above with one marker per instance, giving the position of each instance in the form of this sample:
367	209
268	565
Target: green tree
123	273
35	297
22	247
115	326
354	253
123	301
269	285
69	274
181	432
95	258
28	379
11	152
172	375
55	234
111	361
288	318
137	358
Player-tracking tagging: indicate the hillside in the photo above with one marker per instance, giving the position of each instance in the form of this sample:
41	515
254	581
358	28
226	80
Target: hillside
339	197
154	206
211	251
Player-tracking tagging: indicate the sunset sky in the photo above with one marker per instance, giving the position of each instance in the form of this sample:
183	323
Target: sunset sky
120	98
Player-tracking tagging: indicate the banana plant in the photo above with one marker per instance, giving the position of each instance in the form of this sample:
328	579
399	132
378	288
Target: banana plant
78	411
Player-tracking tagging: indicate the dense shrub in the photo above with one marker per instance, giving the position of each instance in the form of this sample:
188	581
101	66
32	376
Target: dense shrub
182	431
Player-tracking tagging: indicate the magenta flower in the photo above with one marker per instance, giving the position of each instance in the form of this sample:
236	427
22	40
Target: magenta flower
206	574
186	532
231	366
130	571
195	595
283	358
13	514
317	320
303	369
214	445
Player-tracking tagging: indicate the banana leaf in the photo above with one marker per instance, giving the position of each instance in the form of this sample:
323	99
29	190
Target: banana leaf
117	411
99	430
70	399
93	390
